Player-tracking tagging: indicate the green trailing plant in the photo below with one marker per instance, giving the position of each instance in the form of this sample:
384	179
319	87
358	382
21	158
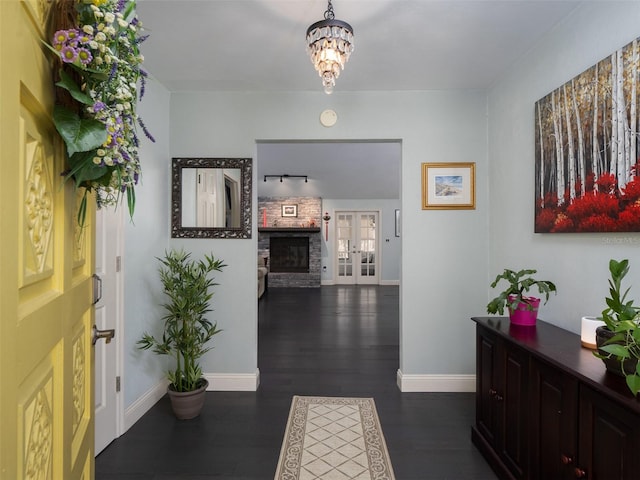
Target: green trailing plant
518	284
187	284
623	319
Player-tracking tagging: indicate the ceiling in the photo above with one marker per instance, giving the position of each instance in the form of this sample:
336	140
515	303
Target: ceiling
259	45
336	170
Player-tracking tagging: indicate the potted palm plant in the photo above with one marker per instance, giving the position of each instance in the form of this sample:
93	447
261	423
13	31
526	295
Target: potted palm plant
186	333
618	340
523	309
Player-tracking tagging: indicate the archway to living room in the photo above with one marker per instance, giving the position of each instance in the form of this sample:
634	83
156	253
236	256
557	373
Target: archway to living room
299	183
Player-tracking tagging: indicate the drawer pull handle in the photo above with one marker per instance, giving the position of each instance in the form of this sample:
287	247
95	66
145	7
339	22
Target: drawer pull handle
495	395
566	459
580	473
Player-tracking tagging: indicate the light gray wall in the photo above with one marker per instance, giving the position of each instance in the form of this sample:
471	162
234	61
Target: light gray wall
389	244
444	264
147	237
447	258
577	263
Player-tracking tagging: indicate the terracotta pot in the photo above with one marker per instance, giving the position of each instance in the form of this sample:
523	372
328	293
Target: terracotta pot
188	405
526	313
612	364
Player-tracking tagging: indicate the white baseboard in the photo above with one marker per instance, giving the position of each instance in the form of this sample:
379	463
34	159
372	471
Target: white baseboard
436	383
233	382
144	403
327	282
240	382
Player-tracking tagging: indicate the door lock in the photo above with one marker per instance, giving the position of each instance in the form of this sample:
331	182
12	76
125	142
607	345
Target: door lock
98	334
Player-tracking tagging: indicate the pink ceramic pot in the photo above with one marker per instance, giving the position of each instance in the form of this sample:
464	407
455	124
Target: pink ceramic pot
526	313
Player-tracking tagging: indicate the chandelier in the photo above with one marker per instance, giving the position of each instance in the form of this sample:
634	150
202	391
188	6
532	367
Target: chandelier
329	44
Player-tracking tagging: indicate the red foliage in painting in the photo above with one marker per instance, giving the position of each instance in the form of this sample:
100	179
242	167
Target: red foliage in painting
629	219
593	205
631	192
607	209
606	183
598	223
545	220
563	225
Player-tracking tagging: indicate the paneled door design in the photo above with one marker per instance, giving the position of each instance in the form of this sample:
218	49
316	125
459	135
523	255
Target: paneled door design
357	248
46	266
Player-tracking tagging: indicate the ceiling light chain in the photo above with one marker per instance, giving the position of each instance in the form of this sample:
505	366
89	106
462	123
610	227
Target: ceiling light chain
328	14
329	45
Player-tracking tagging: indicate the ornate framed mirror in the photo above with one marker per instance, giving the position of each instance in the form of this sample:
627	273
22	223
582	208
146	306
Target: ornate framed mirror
211	197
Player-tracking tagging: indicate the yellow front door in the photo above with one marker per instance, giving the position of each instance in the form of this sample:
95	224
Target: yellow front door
46	266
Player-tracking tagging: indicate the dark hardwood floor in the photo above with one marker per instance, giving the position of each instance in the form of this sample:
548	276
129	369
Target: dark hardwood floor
332	341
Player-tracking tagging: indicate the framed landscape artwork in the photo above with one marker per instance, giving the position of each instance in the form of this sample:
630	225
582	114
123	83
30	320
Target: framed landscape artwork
289	210
587	146
448	186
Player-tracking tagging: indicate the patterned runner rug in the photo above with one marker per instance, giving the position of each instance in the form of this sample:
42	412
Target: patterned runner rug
333	438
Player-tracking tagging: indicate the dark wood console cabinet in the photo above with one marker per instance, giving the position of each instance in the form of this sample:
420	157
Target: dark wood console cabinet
547	409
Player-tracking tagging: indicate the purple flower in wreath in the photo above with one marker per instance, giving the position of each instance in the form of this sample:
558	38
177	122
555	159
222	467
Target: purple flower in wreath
98	106
60	38
114	70
69	54
85	56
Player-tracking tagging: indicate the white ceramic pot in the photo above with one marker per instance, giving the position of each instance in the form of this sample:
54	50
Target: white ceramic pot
588	331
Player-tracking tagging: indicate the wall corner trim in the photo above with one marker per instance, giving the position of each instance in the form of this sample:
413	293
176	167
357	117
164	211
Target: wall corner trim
240	382
436	383
143	404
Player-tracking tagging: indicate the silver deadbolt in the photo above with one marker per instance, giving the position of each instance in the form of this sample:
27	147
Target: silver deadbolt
98	334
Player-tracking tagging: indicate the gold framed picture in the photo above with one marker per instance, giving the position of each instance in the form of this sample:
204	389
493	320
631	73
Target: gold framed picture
448	186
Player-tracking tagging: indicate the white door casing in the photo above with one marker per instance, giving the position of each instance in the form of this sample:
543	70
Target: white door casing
108	315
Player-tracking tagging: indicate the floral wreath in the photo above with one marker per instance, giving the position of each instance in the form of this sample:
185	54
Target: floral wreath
95	111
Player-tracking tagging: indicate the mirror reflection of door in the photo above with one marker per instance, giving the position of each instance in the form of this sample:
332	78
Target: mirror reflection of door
209	186
211	197
357	248
232	201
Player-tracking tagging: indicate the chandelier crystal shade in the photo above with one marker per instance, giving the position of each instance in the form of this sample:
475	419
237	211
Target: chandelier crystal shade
329	44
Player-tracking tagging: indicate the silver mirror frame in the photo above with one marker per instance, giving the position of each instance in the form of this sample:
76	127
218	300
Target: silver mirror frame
178	231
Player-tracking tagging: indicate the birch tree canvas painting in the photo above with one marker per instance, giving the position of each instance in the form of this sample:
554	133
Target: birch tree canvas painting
587	147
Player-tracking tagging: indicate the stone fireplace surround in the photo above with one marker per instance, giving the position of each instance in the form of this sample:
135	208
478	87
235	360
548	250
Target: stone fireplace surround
309	211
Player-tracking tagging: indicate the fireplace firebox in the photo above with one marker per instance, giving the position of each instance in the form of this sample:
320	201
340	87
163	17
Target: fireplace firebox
289	254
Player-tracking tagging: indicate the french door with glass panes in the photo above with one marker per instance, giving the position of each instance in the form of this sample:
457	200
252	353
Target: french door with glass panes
357	248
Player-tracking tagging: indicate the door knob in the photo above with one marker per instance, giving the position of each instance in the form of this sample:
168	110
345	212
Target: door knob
98	334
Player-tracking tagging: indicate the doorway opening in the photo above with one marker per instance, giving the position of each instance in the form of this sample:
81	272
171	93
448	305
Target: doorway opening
359	184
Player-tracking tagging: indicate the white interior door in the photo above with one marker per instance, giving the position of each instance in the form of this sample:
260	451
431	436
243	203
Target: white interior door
210	197
108	316
357	248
